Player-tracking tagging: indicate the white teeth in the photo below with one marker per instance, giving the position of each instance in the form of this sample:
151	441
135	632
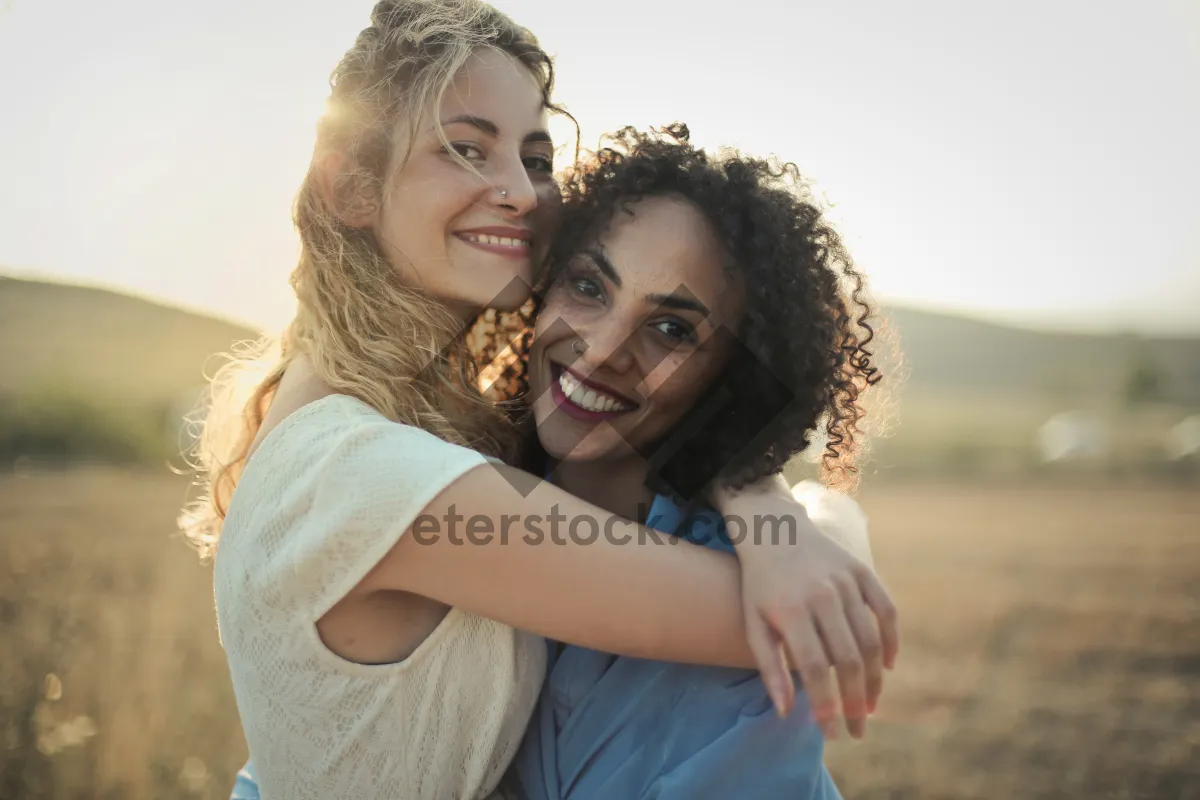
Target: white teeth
504	241
589	399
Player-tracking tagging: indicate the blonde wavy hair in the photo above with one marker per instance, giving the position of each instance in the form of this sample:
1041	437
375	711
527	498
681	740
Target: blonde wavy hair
367	333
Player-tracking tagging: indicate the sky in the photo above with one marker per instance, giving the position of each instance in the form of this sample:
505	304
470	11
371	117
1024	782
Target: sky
1029	162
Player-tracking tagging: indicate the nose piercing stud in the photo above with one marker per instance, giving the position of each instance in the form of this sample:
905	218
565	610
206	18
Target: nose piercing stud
504	194
577	347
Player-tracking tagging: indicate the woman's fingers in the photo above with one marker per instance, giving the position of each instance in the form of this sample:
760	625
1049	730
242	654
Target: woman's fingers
866	634
804	647
843	623
765	646
834	627
885	612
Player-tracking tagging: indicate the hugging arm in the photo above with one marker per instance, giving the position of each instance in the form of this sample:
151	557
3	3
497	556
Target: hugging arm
653	597
599	581
630	591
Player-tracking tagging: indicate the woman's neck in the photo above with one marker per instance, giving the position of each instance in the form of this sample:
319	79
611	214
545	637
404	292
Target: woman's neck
298	387
616	486
463	313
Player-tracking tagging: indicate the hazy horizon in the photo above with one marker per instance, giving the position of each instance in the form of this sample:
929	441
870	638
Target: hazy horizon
1030	165
1051	326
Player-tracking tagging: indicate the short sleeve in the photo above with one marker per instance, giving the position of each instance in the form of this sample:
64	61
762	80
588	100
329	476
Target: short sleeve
838	516
328	492
350	482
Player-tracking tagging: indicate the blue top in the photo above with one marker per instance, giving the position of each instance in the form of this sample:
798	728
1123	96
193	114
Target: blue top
615	727
611	726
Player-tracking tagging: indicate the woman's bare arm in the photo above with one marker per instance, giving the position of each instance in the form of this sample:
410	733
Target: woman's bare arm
544	561
630	591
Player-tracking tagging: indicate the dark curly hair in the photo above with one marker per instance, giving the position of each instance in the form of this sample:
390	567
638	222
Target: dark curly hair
804	358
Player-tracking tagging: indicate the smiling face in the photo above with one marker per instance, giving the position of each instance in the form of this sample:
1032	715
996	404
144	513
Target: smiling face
653	305
472	238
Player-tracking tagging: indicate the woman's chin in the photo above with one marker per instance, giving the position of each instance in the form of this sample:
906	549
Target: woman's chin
567	447
504	291
511	298
567	450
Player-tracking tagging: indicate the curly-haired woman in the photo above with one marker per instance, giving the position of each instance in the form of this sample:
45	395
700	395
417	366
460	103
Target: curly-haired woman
373	652
700	318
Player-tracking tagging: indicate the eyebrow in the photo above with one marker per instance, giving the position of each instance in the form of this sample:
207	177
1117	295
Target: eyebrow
597	255
679	303
492	129
674	300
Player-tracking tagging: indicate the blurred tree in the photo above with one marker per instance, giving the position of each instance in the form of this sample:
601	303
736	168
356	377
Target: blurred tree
1144	380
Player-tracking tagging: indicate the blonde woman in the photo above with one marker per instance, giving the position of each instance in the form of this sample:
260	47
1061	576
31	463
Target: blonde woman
383	580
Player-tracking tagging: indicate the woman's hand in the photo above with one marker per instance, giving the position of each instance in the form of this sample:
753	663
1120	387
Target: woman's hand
809	602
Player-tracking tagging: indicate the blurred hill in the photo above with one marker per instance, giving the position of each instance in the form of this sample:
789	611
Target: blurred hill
945	352
88	373
121	348
139	352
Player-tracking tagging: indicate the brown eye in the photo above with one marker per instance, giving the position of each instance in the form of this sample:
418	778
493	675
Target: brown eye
586	287
675	330
538	163
470	152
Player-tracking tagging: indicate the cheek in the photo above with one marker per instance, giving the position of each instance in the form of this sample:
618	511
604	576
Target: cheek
557	317
671	378
434	196
550	201
548	213
679	381
406	226
548	318
449	204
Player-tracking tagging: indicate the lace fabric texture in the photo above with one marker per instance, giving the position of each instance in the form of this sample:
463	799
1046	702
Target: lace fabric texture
325	497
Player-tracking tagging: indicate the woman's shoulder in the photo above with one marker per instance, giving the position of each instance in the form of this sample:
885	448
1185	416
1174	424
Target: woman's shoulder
339	463
352	433
318	419
328	492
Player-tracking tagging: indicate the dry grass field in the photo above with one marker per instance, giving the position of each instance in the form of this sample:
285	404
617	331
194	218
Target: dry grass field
1051	644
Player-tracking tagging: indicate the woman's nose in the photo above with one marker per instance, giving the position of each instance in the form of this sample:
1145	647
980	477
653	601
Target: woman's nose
513	192
605	345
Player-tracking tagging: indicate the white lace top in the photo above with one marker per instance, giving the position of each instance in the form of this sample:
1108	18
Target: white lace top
321	501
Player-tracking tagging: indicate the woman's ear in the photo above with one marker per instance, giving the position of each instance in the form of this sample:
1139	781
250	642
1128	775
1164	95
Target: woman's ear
350	194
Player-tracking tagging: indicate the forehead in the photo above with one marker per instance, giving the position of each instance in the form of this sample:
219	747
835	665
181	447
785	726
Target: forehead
666	245
495	86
